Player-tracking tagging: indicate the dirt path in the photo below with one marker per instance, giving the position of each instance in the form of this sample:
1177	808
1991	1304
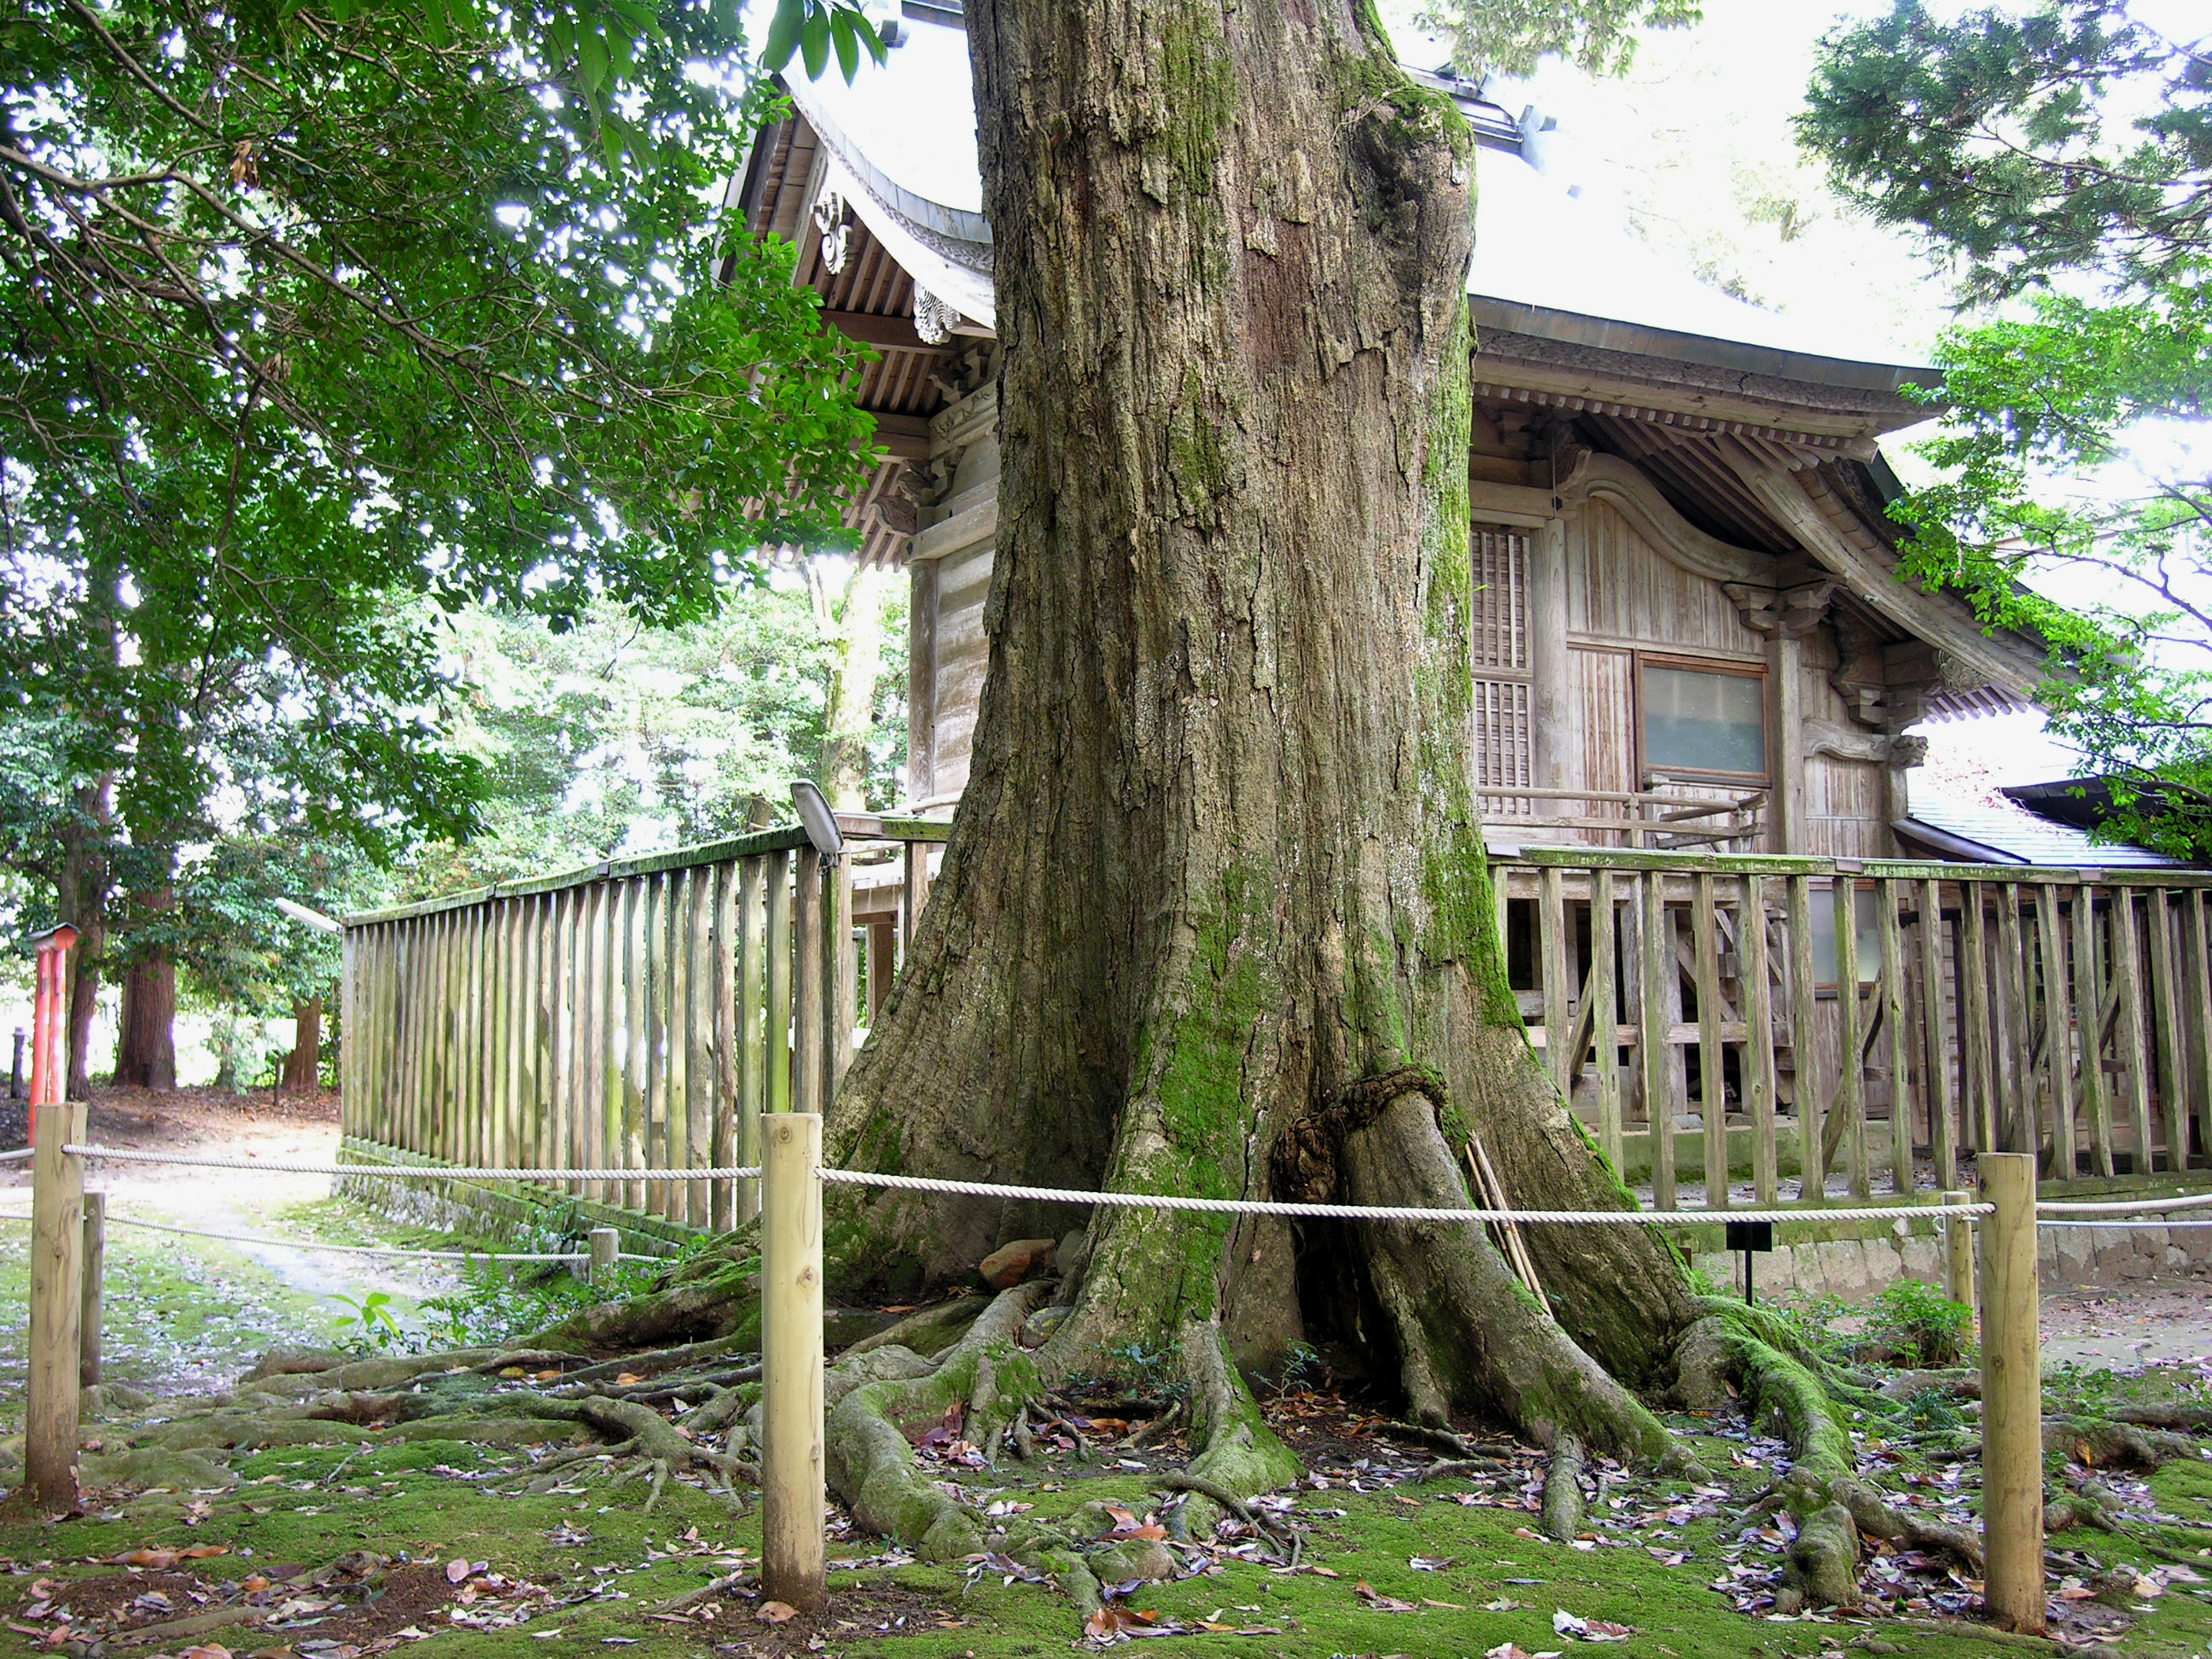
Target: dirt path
203	1121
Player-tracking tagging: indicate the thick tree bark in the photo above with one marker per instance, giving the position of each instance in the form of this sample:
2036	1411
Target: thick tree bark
1216	917
81	899
146	1035
303	1067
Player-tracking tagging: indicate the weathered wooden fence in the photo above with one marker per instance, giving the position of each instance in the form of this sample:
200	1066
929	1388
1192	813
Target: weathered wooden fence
636	1014
1959	1008
1705	1014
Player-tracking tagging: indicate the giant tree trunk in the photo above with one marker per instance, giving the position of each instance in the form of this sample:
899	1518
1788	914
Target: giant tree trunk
1215	917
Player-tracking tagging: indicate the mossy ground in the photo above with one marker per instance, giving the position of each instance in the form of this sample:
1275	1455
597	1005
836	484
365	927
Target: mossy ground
308	1506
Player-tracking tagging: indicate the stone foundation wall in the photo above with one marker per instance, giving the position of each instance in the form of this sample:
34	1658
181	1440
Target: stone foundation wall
500	1212
1858	1269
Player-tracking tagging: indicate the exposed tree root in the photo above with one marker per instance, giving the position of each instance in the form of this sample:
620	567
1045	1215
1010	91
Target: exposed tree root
1789	1397
1563	1490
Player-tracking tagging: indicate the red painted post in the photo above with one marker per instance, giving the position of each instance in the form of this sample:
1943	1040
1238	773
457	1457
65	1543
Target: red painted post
49	1021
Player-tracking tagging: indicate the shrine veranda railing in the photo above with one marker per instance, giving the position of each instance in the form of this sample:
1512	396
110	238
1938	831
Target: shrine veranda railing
2005	1008
648	1011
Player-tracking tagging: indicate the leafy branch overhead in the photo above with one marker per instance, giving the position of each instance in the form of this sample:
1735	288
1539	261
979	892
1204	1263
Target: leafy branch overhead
2060	163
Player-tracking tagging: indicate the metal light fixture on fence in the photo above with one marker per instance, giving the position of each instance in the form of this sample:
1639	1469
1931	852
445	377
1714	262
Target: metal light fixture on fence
819	821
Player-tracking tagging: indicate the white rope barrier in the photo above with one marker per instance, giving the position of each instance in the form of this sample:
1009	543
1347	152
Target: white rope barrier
403	1171
350	1249
2125	1226
2128	1206
16	1157
1388	1212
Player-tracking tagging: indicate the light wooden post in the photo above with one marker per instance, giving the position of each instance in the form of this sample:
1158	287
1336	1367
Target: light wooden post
91	1282
791	1478
49	1423
606	1250
1605	1019
1959	1253
2012	1397
806	1022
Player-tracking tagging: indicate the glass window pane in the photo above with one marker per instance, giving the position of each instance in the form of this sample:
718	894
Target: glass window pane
1704	722
1827	961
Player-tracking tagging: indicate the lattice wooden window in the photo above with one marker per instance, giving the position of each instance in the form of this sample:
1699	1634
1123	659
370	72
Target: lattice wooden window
1500	629
1499	650
1501	740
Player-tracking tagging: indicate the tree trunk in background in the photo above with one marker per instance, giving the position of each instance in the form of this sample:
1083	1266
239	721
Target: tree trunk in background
303	1067
1216	917
81	899
146	1039
145	1044
853	625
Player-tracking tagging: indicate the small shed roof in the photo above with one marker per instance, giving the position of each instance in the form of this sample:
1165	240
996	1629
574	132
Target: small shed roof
1994	830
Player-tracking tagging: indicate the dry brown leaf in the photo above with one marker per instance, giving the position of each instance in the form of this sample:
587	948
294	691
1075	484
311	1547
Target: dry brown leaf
628	1379
776	1613
456	1568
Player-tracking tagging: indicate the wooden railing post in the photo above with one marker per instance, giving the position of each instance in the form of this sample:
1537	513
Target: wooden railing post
2012	1397
793	1569
606	1251
806	1073
92	1277
51	1415
1959	1253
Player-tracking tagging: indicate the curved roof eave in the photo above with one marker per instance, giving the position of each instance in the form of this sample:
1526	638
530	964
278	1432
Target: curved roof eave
1609	334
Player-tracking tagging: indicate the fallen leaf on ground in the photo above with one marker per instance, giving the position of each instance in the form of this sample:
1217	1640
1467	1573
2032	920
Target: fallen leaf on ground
456	1568
776	1613
1112	1621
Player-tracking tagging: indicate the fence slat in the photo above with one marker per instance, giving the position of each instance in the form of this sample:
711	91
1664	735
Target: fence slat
807	1011
2127	960
2199	1000
699	1056
1894	1004
844	990
666	1066
753	1045
1605	1023
2058	1030
1979	1097
1805	1048
781	959
1712	1084
1942	1116
1551	940
636	1013
724	1141
2016	1127
2166	1011
1759	1054
2089	1016
1850	1131
1654	1041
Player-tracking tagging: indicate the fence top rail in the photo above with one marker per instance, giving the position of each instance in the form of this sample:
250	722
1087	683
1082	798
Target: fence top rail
783	838
1673	861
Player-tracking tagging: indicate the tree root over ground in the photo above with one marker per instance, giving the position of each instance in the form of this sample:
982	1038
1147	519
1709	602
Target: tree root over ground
1791	1392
